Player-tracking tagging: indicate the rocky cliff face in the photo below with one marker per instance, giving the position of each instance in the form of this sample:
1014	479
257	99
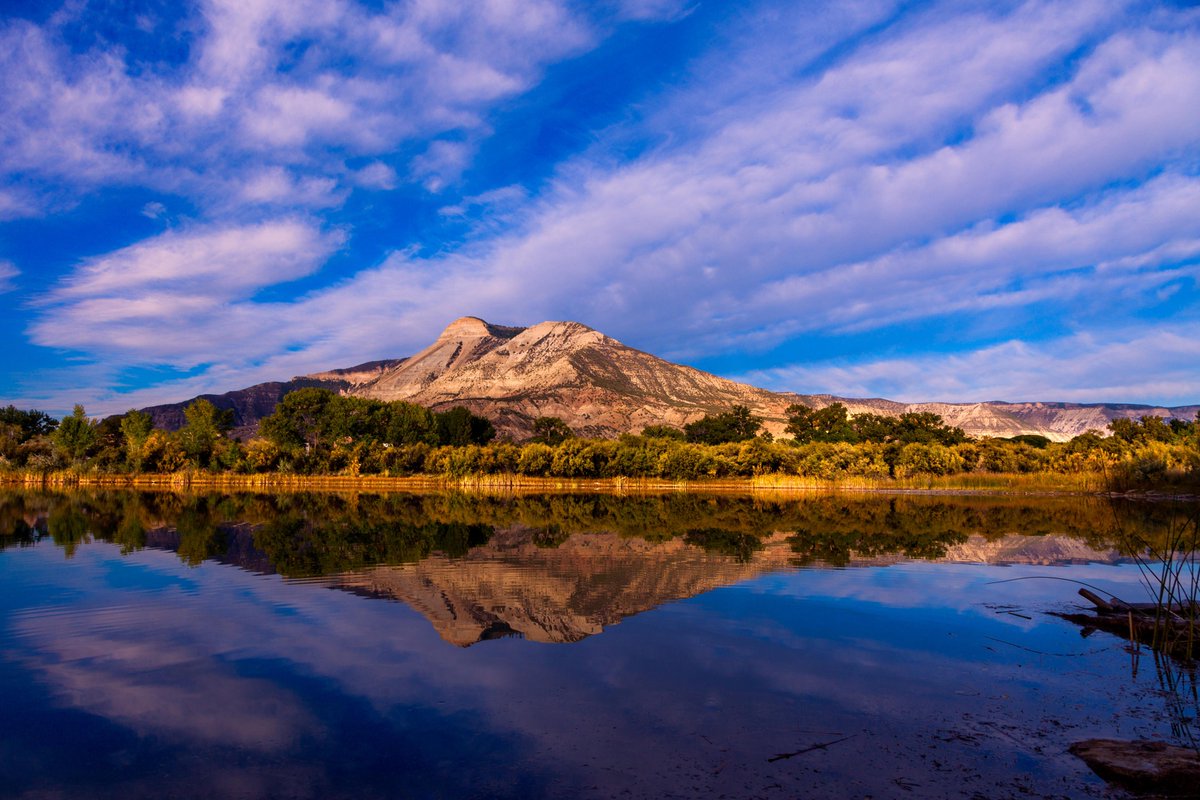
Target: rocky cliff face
597	385
603	388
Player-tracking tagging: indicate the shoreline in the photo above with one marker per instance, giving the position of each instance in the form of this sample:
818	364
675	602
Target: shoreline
995	483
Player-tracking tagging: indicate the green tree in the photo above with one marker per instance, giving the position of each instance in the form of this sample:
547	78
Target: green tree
459	426
30	423
735	425
1034	440
828	424
663	432
205	426
1155	429
551	431
299	421
75	435
926	428
1123	429
11	438
874	427
407	423
135	427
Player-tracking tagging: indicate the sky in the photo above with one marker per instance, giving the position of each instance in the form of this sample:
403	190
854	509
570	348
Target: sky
916	200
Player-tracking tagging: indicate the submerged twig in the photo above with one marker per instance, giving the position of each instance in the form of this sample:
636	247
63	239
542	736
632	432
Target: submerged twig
821	746
1050	578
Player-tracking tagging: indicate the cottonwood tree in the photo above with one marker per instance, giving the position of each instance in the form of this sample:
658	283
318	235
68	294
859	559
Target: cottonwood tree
735	425
75	435
135	427
551	430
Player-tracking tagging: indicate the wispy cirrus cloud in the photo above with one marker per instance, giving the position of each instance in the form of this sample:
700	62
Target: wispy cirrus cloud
286	87
8	271
751	237
182	294
1085	368
824	170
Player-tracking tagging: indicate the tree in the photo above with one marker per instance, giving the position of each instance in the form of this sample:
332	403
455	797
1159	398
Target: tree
205	425
459	426
663	432
927	428
551	431
299	421
407	423
828	424
1156	429
11	438
136	427
31	423
1034	440
735	425
75	435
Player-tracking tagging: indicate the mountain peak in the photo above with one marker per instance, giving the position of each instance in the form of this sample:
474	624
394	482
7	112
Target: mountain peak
476	328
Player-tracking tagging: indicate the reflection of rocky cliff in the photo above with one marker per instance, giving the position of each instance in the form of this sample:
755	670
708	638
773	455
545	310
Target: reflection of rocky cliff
591	581
1039	550
558	568
561	594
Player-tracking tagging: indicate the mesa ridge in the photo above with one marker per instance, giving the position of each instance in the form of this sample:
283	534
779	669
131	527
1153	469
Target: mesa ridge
603	388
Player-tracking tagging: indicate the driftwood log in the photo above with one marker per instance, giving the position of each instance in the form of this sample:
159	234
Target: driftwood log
1143	623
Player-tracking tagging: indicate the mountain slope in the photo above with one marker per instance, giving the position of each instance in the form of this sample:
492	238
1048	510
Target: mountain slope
563	369
603	388
251	404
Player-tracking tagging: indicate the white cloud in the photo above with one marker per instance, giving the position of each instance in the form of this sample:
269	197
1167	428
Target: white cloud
8	271
442	163
679	246
653	9
278	186
16	203
1123	236
1148	364
376	175
175	298
345	94
201	101
929	168
154	210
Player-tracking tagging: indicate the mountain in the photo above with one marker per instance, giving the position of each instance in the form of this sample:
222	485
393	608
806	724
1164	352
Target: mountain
603	388
597	385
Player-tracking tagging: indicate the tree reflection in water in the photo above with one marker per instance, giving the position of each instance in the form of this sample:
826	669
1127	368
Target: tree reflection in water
312	534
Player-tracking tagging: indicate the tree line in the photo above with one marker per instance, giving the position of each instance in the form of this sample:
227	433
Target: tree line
316	432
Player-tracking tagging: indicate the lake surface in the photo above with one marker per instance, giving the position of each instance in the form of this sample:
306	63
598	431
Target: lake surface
448	645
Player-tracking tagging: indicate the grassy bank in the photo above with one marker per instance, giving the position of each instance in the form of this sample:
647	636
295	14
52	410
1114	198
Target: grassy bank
993	483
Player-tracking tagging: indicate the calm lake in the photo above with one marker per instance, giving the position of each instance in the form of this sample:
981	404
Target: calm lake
451	645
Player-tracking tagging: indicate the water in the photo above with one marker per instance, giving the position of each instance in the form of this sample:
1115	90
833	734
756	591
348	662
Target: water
562	646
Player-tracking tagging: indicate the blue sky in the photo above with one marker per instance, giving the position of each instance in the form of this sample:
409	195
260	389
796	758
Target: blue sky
923	201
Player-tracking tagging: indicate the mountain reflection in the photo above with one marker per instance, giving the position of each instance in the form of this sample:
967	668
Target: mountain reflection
558	568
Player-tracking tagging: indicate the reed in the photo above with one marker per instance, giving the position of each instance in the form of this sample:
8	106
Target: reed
1169	565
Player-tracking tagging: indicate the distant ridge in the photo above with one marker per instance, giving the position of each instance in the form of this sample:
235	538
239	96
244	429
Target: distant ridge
603	388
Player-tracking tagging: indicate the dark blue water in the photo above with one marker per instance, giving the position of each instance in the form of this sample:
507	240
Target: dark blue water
555	661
